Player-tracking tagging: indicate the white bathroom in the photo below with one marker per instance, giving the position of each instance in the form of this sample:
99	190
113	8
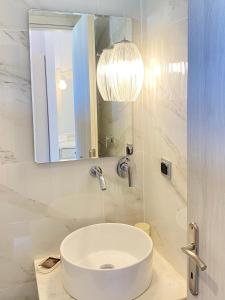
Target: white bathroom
112	147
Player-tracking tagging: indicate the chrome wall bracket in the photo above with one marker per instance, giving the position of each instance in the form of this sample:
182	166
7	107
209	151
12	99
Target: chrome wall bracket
194	261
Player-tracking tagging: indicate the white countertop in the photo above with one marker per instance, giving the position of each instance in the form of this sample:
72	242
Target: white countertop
166	283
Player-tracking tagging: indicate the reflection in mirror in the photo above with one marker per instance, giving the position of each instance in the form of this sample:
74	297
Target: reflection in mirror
114	118
71	120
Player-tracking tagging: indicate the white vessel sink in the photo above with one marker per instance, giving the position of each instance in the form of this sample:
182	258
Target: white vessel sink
106	262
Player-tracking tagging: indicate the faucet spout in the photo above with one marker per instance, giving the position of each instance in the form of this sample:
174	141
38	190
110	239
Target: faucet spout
97	172
102	182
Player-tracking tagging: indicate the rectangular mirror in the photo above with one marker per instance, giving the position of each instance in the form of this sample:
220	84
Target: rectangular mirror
71	121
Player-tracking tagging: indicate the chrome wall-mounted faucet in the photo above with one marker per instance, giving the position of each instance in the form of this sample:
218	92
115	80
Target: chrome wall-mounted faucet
97	172
124	169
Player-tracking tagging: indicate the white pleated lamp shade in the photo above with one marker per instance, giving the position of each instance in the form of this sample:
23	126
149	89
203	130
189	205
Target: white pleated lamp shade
103	75
126	72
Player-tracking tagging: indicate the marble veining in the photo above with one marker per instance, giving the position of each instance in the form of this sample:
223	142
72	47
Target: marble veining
6	156
165	122
41	204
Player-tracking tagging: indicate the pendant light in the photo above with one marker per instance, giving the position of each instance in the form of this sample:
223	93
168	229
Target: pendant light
103	75
126	71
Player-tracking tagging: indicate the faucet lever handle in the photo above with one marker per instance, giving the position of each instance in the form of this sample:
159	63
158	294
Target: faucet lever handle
124	169
130	181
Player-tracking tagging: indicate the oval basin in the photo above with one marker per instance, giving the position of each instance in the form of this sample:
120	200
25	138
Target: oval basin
106	262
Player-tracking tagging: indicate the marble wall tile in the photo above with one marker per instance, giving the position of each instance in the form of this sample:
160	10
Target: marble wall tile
41	204
121	203
13	14
15	98
165	121
169	11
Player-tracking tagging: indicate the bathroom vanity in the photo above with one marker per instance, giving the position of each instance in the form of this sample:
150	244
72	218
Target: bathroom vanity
166	283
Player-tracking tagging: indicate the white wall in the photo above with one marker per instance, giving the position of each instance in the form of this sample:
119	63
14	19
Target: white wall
41	204
164	117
